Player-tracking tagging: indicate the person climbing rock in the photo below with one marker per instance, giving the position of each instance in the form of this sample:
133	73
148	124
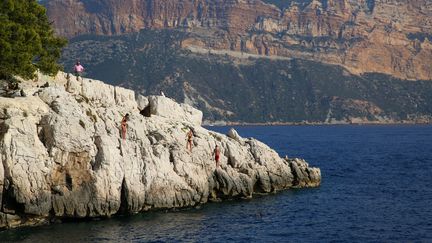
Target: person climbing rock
216	153
78	70
124	126
189	140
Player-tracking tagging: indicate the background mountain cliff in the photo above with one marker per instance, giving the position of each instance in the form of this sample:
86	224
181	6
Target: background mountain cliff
261	61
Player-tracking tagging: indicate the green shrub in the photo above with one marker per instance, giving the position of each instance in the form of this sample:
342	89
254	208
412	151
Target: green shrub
27	40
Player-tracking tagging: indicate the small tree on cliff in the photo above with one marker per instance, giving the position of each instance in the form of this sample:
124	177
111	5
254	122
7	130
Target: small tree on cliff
27	40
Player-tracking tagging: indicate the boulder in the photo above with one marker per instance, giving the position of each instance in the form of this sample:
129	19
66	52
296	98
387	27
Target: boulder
142	102
168	108
232	133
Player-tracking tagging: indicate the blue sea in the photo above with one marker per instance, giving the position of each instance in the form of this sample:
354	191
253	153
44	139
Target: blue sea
376	187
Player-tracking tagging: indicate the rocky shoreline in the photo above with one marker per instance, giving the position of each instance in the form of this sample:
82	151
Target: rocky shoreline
63	157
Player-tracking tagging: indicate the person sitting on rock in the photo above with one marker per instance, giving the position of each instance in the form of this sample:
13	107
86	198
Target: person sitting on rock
124	126
78	69
216	153
189	140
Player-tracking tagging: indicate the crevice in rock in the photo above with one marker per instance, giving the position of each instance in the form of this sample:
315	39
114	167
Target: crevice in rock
123	209
171	157
3	129
155	135
10	204
97	162
115	95
229	161
2	193
226	186
41	135
146	111
44	133
68	180
296	177
52	216
257	187
251	147
217	193
55	106
308	173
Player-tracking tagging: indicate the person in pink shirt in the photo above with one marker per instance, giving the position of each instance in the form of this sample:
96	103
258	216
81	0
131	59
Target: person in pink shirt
78	69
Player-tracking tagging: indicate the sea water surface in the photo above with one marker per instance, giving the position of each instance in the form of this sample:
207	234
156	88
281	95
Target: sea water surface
376	186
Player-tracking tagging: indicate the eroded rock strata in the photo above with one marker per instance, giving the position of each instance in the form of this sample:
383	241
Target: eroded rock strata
384	36
62	155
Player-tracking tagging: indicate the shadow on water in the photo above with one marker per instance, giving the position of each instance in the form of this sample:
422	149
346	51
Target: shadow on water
376	187
205	222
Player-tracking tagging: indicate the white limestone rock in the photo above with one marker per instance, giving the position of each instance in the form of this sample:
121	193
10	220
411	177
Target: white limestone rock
26	166
168	108
305	176
232	133
99	93
142	102
62	156
125	98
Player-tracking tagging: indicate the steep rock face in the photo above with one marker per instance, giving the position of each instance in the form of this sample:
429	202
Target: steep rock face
112	17
62	156
385	36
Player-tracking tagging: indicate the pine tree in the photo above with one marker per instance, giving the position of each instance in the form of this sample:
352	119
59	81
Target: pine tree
27	40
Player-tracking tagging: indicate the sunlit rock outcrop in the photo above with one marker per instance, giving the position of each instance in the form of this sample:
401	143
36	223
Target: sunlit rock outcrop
63	156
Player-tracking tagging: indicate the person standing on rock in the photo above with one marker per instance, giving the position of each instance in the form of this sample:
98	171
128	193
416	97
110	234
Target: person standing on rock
189	140
78	70
216	153
162	93
124	126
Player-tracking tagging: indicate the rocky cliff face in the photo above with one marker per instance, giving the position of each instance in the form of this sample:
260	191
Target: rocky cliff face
384	36
62	156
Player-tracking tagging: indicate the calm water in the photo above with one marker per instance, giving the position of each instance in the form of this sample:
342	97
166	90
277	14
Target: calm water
377	186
